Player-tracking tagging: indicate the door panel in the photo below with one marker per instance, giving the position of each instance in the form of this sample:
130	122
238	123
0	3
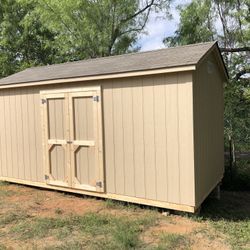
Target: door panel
83	118
85	147
57	162
56	134
73	138
84	162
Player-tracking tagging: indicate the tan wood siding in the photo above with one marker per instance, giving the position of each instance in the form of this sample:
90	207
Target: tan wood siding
145	151
128	143
208	127
143	130
21	147
138	140
118	138
185	126
172	135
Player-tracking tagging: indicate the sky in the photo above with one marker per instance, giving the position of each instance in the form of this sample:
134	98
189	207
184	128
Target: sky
158	28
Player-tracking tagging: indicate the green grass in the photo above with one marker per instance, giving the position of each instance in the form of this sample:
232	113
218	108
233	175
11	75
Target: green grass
5	193
231	216
12	217
238	232
2	247
105	231
113	204
4	183
173	241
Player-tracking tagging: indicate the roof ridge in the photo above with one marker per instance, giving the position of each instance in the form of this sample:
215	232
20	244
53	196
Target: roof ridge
121	55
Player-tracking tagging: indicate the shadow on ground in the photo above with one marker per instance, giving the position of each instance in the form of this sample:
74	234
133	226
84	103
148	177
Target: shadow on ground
233	206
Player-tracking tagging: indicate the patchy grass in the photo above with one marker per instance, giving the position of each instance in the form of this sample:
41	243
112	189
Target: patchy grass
122	232
12	217
173	241
231	216
112	204
4	183
4	192
2	247
38	219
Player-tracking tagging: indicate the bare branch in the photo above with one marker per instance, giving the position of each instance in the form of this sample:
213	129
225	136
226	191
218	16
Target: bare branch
242	49
148	6
241	73
116	32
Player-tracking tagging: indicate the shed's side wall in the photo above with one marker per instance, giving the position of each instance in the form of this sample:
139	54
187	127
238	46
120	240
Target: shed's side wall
148	124
148	136
208	127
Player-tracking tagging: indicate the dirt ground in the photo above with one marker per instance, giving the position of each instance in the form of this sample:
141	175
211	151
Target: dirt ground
34	203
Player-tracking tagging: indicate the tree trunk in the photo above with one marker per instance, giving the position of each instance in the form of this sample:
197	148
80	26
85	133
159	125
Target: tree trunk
230	158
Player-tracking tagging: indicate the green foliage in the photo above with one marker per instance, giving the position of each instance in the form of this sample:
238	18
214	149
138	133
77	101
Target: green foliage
24	40
195	26
38	32
96	28
239	179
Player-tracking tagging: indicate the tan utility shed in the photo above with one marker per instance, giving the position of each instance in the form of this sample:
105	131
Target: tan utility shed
143	127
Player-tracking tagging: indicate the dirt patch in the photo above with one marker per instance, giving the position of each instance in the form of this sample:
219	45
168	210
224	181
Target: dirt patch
208	240
177	225
201	236
170	225
67	205
44	203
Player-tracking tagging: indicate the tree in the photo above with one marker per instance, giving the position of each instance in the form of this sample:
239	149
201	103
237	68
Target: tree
89	29
196	24
24	41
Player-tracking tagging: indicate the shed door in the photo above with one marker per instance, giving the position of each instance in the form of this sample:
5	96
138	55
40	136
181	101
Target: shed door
85	126
73	138
57	133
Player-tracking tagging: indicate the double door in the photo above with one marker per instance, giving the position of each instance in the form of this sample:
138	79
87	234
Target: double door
72	135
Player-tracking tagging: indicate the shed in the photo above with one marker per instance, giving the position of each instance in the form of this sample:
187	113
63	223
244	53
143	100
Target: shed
143	127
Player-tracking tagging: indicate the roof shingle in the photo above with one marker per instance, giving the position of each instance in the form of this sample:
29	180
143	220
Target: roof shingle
164	58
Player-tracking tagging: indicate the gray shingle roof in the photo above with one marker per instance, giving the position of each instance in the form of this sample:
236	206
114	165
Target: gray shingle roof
164	58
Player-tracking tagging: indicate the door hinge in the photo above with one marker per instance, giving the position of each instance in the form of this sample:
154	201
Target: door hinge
96	98
99	184
44	101
46	177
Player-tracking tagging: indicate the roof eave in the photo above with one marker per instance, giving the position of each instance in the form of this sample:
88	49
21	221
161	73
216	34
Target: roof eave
101	77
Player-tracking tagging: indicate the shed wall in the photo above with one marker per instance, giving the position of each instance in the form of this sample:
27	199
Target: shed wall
208	127
148	136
